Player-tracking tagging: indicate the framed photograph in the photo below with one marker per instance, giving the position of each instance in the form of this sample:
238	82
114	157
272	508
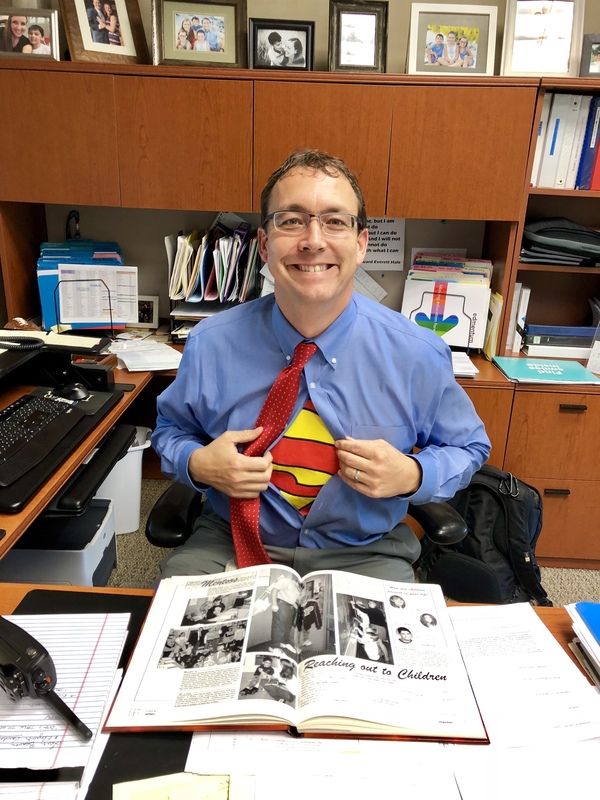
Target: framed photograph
357	36
26	32
590	56
452	39
542	37
207	33
147	312
280	44
105	31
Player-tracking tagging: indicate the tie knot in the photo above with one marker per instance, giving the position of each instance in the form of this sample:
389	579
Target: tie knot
302	352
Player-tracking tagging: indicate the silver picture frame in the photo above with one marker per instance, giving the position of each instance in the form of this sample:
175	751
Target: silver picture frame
542	38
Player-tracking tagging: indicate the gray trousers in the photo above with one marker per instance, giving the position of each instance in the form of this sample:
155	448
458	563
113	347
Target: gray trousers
210	550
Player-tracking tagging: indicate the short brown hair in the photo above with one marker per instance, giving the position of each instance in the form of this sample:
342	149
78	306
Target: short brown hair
314	159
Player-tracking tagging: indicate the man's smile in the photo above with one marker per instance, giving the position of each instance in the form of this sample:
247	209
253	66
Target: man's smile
312	267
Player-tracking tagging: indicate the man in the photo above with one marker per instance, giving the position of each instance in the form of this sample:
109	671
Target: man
276	55
212	35
97	21
377	387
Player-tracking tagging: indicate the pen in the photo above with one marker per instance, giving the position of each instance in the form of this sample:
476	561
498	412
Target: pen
63	710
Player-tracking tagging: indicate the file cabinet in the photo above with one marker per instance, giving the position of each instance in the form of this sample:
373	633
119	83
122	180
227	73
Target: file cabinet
553	445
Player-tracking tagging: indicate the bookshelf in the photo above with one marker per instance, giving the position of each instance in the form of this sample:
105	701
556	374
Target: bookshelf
140	139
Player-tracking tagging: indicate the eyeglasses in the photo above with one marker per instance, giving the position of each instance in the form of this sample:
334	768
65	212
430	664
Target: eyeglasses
295	223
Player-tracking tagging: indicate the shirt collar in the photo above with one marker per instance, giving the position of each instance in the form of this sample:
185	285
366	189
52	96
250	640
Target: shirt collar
330	342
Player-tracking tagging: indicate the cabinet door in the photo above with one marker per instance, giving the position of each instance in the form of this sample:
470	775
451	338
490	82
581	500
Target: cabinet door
570	520
60	145
184	143
459	152
493	407
345	120
554	435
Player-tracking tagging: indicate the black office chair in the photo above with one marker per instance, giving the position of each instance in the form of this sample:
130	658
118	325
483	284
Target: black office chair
170	521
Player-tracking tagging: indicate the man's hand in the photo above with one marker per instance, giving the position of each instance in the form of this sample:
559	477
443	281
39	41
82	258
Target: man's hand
222	466
376	469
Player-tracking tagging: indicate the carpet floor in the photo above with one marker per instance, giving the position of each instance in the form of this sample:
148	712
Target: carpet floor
138	561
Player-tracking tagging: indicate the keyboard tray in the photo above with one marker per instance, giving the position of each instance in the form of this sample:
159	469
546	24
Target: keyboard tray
14	497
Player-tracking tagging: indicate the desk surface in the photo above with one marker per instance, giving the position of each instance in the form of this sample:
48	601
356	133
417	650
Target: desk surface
16	524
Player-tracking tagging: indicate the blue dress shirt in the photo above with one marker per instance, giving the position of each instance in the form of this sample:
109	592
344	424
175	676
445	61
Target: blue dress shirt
376	375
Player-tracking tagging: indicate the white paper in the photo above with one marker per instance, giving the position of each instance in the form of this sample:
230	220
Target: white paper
527	688
386	245
85	649
548	772
365	284
343	767
593	363
97	293
145	356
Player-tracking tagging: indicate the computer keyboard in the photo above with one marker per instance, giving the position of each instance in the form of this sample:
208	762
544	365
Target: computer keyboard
30	428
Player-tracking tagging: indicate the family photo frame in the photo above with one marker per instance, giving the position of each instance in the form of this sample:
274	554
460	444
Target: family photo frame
281	44
147	312
452	39
590	56
29	32
542	38
105	31
202	33
357	36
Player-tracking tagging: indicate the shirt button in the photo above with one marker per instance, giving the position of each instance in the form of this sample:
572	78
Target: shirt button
334	360
288	358
313	385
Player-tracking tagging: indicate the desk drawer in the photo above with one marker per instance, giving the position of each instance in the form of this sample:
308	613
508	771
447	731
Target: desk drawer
570	524
554	435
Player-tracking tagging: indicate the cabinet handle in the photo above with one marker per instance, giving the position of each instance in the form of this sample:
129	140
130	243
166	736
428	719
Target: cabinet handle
557	491
572	407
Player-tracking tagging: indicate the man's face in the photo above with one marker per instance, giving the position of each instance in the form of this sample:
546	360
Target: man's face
310	267
206	24
35	37
97	5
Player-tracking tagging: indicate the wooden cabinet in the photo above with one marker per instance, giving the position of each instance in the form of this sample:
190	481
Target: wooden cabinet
470	168
349	121
553	444
184	143
58	138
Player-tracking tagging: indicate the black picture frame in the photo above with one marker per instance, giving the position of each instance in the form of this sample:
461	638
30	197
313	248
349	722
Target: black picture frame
297	51
589	67
228	19
350	51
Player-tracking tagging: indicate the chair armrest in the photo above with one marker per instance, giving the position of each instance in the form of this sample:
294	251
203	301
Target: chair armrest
170	521
442	523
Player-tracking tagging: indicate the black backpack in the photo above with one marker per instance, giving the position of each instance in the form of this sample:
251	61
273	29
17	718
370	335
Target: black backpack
495	563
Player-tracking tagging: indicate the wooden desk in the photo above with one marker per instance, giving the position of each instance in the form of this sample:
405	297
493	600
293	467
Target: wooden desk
16	524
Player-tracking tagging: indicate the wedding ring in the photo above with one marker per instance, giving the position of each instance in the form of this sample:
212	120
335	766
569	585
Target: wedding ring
356	474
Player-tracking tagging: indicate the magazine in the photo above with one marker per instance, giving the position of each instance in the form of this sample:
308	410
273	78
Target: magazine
333	653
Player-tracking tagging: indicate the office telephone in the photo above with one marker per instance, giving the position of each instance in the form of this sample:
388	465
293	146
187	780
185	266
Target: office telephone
27	670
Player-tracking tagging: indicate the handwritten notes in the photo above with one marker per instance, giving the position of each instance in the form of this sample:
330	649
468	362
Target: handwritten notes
85	649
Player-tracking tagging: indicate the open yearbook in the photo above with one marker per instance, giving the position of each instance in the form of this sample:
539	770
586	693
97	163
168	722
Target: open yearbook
330	654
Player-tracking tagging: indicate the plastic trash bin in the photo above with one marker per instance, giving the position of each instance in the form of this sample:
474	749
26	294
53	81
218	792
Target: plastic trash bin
123	484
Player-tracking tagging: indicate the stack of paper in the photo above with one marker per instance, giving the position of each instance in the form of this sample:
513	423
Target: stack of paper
85	649
450	295
145	355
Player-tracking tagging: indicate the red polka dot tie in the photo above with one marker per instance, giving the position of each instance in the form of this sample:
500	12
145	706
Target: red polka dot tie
273	417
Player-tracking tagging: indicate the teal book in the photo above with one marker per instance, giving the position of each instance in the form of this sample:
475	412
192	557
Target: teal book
544	370
590	615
